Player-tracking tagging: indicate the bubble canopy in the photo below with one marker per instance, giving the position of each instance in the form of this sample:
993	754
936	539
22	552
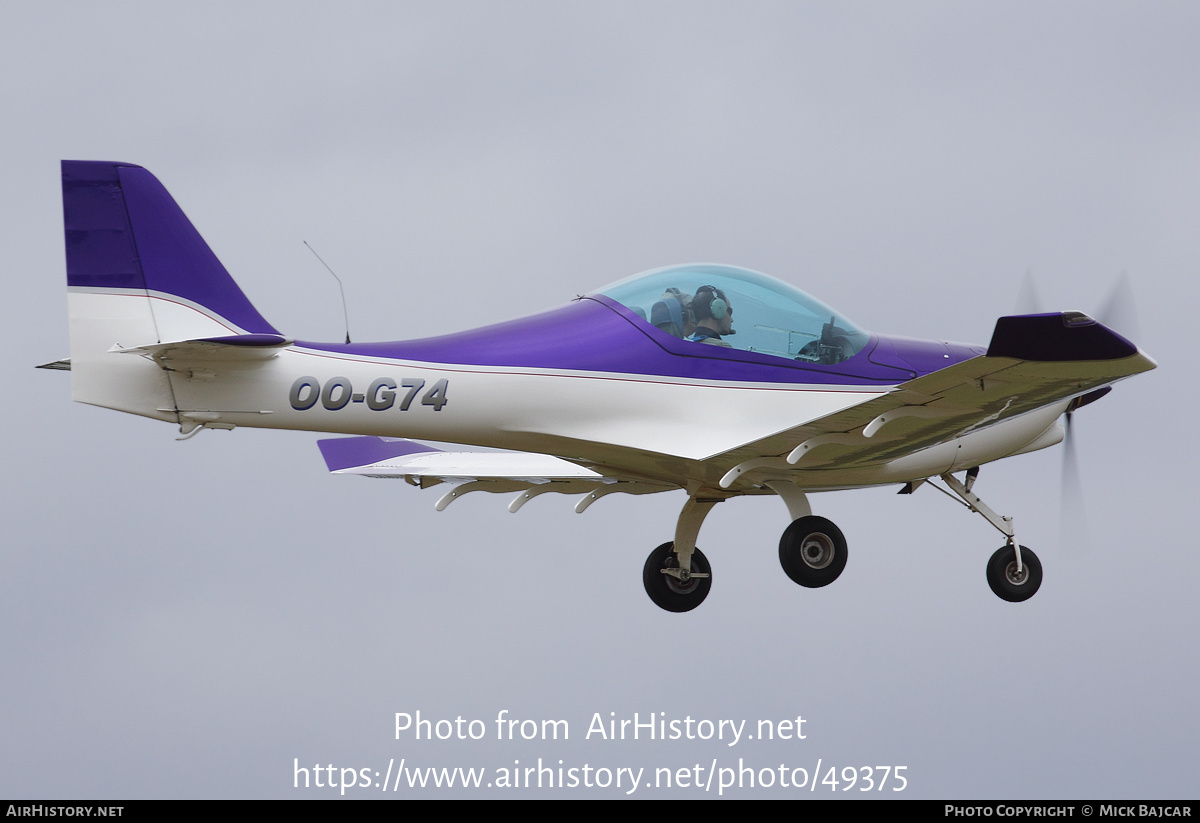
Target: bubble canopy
769	316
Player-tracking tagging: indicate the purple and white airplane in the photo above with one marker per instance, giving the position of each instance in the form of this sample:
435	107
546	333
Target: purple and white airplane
708	378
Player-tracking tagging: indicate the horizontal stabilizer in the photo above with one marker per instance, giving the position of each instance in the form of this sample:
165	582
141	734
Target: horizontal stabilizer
231	347
57	365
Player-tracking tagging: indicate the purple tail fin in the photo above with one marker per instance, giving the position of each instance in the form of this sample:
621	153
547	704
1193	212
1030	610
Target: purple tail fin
124	232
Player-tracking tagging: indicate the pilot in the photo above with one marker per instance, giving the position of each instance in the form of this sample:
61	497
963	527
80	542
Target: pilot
714	316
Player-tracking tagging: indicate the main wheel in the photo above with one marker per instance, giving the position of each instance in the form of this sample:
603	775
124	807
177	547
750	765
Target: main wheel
812	551
669	592
1007	582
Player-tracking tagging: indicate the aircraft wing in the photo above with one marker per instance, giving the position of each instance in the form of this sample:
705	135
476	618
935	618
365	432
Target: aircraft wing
1033	362
525	473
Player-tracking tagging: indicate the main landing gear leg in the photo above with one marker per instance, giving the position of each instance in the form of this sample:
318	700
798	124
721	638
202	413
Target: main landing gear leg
1014	572
793	497
677	575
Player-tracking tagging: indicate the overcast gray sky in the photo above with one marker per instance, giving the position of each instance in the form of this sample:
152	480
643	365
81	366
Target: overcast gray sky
186	619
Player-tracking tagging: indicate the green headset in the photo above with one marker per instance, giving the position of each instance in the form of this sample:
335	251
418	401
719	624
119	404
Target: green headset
715	304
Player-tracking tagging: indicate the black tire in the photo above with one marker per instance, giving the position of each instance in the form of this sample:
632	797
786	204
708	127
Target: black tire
812	551
669	593
1003	578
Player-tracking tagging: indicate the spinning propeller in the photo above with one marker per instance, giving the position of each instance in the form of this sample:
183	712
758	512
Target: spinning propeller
1118	313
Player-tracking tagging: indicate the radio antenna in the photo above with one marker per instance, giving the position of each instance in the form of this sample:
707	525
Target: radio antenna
345	314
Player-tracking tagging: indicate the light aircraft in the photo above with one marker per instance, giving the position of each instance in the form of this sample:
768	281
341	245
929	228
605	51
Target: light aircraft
708	378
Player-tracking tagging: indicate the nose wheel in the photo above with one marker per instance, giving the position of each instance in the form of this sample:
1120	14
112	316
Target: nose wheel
673	588
1012	581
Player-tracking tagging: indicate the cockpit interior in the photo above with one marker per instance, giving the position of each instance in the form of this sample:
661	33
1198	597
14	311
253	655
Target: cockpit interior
763	314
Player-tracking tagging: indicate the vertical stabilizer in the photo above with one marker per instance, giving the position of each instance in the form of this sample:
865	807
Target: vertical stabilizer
138	274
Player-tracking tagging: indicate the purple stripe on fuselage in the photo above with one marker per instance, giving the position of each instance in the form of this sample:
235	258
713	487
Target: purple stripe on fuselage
922	356
600	335
351	452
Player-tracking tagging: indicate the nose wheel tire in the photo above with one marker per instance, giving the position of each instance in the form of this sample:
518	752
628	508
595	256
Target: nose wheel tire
668	591
812	552
1010	584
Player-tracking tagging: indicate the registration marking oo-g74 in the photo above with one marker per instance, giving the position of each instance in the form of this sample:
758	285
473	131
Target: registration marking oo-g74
381	395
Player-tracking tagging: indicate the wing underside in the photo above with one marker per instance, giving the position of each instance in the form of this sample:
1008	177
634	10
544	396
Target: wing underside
499	472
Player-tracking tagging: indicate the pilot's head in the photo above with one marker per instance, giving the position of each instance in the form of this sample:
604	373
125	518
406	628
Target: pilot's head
713	310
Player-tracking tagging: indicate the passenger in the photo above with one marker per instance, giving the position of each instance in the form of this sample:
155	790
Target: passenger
673	313
714	317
